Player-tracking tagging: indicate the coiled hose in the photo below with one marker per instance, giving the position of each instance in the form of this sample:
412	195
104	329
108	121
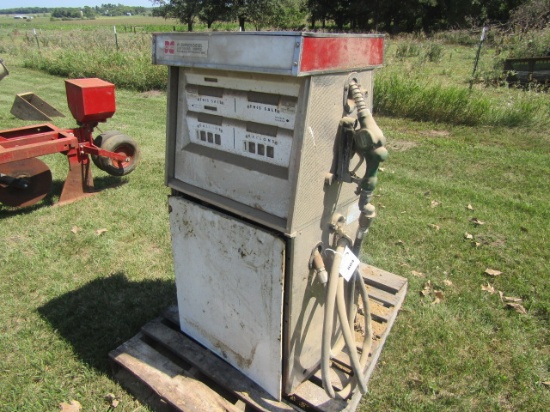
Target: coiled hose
335	298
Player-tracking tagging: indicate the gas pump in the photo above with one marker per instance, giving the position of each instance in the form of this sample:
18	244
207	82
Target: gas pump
272	157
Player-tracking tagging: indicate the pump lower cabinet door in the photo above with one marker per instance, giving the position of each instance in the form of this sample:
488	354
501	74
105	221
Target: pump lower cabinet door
229	279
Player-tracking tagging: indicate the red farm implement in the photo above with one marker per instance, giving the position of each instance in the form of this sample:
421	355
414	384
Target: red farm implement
25	180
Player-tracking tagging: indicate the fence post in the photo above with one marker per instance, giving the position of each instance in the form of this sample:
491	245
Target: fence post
116	38
481	40
36	37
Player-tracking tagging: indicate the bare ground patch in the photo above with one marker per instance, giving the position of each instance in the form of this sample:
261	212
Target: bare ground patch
400	145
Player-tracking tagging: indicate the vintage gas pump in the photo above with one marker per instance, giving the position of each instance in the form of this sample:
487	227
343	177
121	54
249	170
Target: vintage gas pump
272	156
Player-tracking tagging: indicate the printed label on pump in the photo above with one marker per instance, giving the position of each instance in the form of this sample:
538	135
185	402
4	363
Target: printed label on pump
191	48
349	264
267	144
264	108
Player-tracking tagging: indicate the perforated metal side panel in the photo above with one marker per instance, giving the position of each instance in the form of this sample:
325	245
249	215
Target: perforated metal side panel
325	109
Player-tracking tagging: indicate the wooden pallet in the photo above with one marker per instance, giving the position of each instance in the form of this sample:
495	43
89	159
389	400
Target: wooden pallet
169	371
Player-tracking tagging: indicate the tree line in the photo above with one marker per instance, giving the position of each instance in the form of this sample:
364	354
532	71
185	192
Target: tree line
91	12
25	10
282	14
391	16
107	9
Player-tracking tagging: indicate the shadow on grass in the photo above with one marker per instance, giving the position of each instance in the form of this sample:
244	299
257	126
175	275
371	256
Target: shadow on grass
106	312
100	183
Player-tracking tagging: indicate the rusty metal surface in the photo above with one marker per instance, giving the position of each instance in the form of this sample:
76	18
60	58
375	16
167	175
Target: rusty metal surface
29	106
288	194
3	70
79	182
27	151
35	178
533	69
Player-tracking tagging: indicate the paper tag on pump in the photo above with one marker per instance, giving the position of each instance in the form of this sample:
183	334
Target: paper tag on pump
349	264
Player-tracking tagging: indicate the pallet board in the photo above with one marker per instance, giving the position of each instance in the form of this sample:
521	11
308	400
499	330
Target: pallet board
169	371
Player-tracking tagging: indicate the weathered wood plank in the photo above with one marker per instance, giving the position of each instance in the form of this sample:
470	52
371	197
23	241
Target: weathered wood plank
382	340
214	368
167	379
139	389
172	315
385	298
382	279
316	396
380	313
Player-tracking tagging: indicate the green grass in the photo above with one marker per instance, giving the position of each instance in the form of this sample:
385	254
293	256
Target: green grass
424	81
469	352
69	298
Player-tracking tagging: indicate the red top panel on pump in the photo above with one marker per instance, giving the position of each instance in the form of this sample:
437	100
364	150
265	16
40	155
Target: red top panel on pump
286	53
90	100
341	53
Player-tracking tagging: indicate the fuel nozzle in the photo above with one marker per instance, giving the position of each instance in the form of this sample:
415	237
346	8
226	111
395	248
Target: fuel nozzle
369	142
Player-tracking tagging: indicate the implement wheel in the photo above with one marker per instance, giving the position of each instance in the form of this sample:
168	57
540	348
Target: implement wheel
24	182
98	141
119	143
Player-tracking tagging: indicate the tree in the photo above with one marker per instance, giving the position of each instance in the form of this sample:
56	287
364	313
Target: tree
289	14
66	13
340	12
391	16
183	10
261	12
532	15
240	10
88	12
214	10
160	12
319	11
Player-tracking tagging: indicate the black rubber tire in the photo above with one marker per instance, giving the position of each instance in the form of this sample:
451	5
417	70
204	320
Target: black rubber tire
98	141
119	143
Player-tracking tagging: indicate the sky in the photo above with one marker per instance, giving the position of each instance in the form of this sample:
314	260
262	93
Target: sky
11	4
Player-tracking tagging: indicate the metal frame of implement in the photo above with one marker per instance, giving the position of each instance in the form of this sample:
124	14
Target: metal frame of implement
91	101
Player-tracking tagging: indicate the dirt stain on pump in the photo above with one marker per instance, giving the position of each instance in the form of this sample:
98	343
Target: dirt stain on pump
241	361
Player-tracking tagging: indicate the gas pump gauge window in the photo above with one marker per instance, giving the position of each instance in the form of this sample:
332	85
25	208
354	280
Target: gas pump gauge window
252	119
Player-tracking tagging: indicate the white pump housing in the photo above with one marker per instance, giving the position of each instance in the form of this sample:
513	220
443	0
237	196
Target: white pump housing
251	128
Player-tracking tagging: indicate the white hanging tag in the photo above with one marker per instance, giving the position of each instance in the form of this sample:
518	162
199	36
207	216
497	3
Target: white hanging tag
349	264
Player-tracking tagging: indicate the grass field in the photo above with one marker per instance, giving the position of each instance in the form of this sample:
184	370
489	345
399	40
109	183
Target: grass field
452	201
70	295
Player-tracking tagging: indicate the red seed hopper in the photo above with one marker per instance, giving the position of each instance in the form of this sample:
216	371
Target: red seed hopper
25	180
